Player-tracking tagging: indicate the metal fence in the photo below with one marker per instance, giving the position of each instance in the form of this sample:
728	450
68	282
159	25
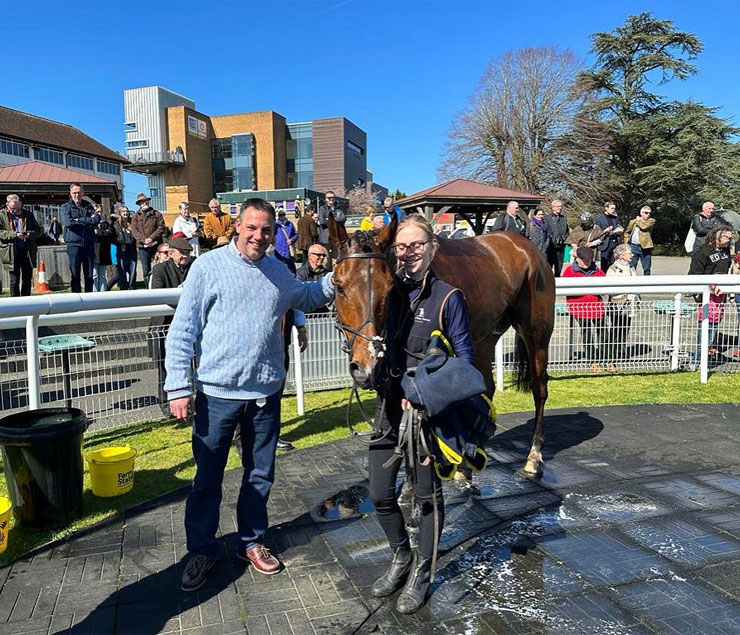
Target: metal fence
116	372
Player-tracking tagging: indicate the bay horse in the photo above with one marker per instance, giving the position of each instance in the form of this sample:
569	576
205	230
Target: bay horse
506	281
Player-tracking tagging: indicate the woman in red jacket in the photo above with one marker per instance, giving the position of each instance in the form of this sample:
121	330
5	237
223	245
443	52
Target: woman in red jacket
588	310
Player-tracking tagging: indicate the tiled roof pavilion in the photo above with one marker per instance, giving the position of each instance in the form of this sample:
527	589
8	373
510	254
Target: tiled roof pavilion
475	202
41	183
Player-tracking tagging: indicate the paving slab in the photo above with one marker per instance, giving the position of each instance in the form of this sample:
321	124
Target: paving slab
634	527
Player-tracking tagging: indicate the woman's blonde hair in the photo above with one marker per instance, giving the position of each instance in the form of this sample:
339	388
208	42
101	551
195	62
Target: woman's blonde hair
369	209
417	220
619	250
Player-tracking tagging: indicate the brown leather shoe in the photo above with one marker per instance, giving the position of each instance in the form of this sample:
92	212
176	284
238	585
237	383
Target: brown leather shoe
261	559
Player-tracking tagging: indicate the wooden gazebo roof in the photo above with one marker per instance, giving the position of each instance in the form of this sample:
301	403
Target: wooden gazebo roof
475	202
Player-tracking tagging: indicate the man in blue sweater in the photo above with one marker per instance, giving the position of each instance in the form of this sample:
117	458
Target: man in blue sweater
229	317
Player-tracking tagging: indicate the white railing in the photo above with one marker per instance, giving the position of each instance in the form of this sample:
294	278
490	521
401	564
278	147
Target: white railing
673	330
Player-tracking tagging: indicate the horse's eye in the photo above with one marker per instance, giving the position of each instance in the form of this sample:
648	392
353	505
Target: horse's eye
339	288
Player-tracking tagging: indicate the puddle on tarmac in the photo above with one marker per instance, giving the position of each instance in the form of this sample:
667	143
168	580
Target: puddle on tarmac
347	503
618	507
516	590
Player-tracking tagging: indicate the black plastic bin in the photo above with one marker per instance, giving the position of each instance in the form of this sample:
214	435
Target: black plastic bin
42	460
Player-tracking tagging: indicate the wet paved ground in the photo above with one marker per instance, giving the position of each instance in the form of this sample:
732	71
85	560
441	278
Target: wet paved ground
634	528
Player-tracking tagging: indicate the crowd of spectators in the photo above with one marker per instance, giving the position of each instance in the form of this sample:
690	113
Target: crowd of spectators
103	251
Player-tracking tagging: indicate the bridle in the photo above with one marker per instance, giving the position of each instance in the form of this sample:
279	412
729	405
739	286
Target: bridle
376	341
348	344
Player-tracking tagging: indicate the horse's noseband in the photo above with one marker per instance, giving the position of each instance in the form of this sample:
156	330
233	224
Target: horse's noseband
377	340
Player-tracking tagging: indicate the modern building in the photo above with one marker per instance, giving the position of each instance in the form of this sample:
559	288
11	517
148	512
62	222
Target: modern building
55	151
188	155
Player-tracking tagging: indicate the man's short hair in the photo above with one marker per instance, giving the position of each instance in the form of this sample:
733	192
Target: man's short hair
609	204
12	197
558	201
646	208
74	185
184	205
705	205
585	254
260	204
214	200
511	204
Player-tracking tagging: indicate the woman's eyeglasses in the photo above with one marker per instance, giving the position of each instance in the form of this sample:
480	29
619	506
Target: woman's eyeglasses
414	248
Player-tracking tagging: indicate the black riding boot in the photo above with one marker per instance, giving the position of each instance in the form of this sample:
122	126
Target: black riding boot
396	575
414	593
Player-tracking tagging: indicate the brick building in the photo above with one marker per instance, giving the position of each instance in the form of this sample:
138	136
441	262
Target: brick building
191	156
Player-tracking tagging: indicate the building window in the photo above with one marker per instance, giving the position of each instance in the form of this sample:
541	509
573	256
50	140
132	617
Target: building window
154	192
48	155
78	161
138	143
109	168
299	154
233	161
14	148
355	148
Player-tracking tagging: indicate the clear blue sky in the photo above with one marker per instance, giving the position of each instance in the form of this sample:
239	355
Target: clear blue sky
398	69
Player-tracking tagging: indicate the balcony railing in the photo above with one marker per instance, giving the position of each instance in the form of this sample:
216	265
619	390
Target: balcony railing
148	157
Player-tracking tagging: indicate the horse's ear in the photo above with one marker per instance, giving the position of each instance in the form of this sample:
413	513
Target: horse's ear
387	236
337	234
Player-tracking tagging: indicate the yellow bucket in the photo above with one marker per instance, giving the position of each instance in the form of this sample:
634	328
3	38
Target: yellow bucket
112	471
5	507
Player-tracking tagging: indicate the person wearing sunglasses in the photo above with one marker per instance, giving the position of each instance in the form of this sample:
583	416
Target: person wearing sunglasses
330	208
315	268
639	237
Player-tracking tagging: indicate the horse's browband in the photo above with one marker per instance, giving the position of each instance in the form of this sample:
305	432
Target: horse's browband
359	255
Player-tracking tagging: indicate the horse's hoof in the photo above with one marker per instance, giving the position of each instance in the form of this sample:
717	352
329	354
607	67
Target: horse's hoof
532	469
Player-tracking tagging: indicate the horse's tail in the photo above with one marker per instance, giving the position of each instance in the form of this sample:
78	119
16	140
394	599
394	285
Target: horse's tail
522	376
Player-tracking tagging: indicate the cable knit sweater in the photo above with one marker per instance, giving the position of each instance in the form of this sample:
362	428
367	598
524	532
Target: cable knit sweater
229	317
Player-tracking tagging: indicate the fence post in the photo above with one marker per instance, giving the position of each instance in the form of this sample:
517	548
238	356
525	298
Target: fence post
33	362
676	331
499	357
298	372
704	360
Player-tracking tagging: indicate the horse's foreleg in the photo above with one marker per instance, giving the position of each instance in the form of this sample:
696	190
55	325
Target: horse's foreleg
538	369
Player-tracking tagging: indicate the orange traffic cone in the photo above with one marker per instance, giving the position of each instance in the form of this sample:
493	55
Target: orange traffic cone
41	285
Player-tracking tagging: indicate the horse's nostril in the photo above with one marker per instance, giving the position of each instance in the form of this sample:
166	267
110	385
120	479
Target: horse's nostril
356	371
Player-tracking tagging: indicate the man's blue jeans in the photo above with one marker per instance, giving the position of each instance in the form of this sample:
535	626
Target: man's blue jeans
145	257
81	257
213	430
643	255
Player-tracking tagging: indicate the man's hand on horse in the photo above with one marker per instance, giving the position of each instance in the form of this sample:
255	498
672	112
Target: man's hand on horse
180	408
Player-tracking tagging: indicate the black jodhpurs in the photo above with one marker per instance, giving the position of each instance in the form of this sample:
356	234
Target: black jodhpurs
427	487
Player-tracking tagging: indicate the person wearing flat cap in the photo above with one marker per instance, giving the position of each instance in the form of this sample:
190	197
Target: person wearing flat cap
148	228
169	274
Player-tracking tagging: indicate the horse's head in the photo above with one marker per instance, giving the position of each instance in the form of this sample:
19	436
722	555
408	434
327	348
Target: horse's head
362	279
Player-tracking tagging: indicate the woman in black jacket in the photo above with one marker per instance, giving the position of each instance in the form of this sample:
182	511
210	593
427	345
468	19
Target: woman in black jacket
104	239
712	258
125	250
